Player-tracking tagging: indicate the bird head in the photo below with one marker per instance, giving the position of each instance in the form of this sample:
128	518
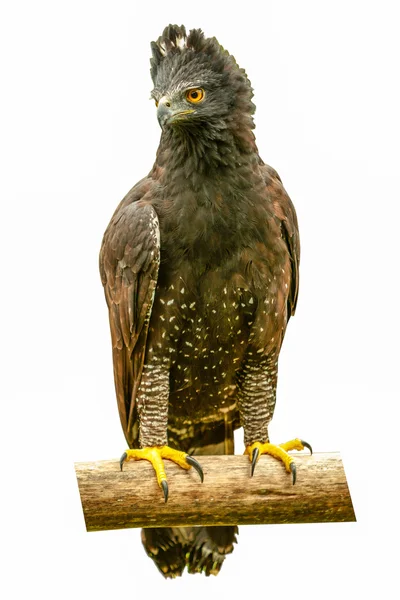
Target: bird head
198	86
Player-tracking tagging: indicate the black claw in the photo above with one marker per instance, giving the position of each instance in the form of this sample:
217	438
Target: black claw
306	445
254	457
193	463
122	459
293	469
164	485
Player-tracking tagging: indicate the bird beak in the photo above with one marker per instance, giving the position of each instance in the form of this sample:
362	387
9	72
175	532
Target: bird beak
166	115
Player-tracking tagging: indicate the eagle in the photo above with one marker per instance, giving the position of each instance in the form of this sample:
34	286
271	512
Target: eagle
200	267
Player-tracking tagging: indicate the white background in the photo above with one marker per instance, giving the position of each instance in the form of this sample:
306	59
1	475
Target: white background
77	132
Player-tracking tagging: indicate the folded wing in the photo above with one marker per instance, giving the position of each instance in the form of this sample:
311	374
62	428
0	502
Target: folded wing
129	262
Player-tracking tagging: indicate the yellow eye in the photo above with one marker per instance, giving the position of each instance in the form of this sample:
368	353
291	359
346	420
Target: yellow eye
195	95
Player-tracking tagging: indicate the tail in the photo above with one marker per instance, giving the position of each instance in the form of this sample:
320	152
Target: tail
200	549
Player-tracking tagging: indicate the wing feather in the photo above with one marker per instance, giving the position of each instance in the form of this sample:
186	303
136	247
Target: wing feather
285	212
129	262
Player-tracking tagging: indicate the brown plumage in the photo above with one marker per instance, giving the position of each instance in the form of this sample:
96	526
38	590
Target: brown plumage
200	269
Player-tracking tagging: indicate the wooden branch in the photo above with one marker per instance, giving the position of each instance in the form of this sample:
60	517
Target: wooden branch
228	496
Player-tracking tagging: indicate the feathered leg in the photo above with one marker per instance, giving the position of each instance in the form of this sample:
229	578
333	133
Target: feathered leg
152	408
257	397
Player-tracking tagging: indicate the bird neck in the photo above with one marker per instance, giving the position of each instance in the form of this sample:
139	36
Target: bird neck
195	155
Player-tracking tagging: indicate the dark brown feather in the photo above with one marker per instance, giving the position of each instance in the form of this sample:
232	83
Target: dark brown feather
285	212
129	262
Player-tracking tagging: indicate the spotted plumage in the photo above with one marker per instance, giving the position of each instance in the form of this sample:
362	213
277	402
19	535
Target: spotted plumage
200	269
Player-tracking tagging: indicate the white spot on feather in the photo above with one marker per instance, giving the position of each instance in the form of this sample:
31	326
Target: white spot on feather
181	42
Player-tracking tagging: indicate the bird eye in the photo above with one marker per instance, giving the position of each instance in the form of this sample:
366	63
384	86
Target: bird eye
195	95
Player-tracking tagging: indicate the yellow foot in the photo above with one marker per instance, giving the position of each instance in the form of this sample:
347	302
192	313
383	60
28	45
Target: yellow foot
280	452
155	455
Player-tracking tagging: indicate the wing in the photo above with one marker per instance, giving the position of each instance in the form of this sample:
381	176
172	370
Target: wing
285	212
129	261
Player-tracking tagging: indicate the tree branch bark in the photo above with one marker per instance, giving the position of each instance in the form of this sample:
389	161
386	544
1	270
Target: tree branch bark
228	496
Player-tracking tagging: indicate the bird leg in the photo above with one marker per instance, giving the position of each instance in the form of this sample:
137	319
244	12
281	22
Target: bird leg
155	455
281	452
152	408
257	395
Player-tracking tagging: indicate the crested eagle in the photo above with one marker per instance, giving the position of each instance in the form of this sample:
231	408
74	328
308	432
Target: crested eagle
200	266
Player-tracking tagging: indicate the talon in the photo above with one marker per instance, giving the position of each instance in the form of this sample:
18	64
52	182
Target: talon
122	460
155	455
254	458
293	470
164	485
193	463
280	452
306	445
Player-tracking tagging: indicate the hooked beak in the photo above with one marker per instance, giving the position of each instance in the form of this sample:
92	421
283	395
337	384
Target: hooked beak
166	115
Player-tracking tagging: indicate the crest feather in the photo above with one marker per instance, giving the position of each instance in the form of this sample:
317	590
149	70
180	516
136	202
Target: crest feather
173	40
